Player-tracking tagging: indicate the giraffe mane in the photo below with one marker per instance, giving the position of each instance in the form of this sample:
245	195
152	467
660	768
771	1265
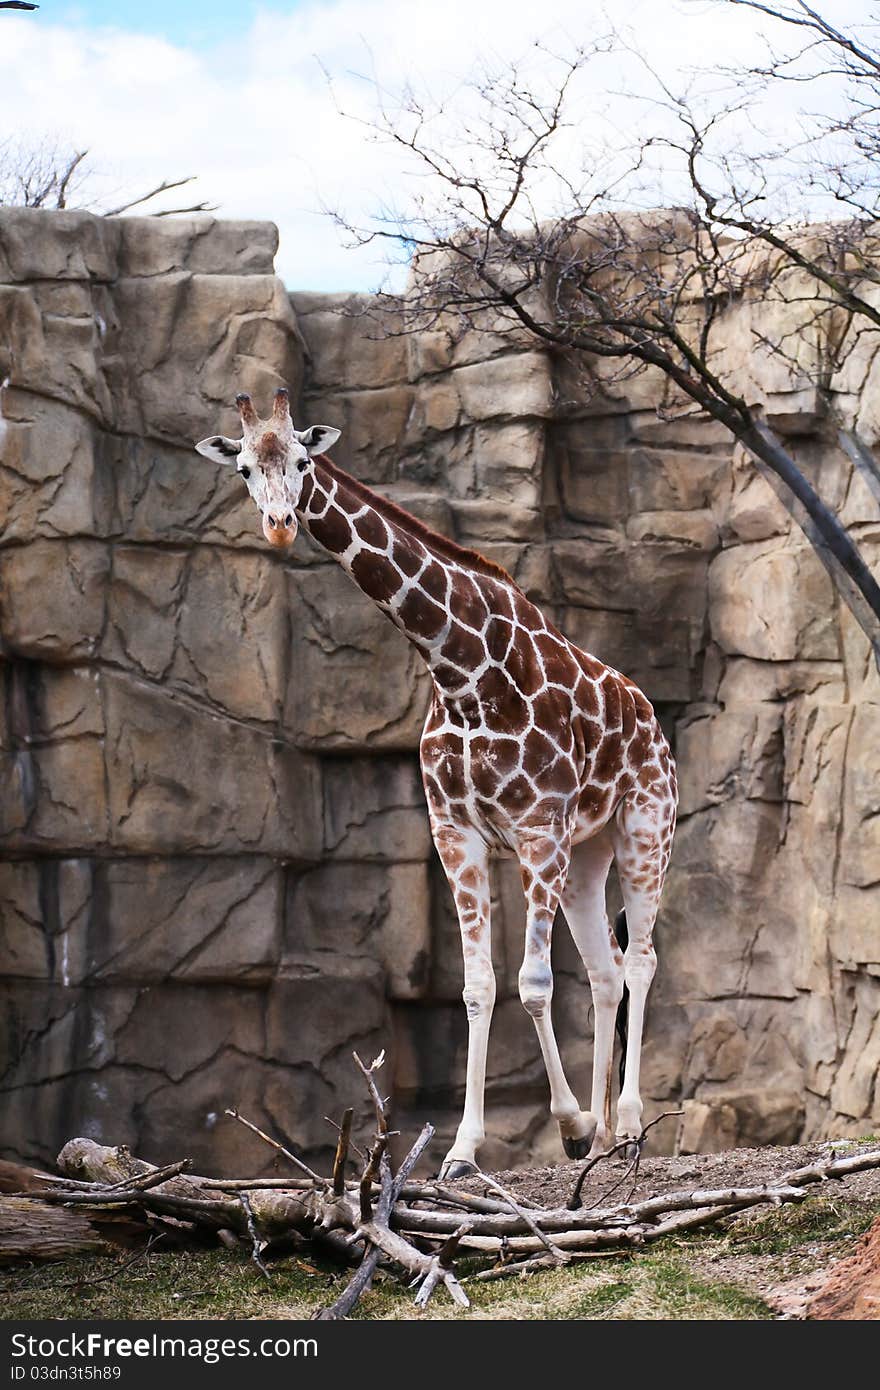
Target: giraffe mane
443	545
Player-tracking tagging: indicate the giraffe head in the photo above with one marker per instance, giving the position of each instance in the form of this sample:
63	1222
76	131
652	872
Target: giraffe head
274	460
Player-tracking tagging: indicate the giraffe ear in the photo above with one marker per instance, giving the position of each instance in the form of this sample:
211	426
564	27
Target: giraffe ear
318	438
220	449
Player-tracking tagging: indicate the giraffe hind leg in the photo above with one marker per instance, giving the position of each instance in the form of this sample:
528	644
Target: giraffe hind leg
544	864
583	902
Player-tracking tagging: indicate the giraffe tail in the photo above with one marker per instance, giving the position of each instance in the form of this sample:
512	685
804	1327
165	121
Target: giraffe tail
620	1024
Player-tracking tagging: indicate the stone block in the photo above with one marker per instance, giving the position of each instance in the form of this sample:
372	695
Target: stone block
853	1093
862	797
436	408
593	574
815	741
771	603
44	909
143	608
688	530
356	681
665	480
593	483
183	780
745	681
373	425
53	764
854	928
41	245
53	598
707	1128
350	340
47	478
54	355
517	384
367	914
152	246
478	521
508	461
374	810
749	509
148	491
726	756
191	920
309	1021
192	341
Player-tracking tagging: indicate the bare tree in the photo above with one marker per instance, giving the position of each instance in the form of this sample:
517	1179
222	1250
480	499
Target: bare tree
512	235
39	175
43	174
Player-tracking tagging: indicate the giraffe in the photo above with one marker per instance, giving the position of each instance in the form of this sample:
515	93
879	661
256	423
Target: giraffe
531	748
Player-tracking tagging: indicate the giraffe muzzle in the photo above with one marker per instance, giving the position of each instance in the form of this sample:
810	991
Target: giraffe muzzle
280	529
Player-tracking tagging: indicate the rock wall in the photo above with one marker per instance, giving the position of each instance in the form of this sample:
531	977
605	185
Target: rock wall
216	876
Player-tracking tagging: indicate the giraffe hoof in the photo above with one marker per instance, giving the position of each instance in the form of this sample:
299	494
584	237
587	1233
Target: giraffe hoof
577	1148
456	1168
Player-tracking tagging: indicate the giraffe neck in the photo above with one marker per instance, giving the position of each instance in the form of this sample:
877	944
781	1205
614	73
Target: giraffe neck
433	590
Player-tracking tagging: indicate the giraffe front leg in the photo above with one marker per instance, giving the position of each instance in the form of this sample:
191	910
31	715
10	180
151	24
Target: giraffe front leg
465	860
642	839
544	866
479	999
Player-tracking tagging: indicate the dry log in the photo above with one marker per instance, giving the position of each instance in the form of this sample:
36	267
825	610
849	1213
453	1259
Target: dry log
275	1212
34	1230
18	1177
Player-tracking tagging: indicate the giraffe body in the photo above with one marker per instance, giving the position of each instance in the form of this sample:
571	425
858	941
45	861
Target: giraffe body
531	748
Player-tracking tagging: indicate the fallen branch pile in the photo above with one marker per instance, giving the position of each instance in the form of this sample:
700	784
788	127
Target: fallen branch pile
388	1218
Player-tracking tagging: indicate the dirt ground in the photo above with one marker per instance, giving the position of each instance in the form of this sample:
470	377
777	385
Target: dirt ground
551	1187
756	1254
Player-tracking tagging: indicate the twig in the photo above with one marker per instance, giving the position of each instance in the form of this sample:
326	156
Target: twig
259	1184
367	1073
330	1121
154	193
461	1199
417	1226
342	1153
574	1200
304	1167
151	1179
256	1240
374	1227
441	1271
411	1160
533	1226
503	1271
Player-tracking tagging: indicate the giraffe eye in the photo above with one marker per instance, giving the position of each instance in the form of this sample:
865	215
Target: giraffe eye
302	465
245	472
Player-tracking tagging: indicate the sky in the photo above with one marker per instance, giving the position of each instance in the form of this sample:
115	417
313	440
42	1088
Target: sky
236	92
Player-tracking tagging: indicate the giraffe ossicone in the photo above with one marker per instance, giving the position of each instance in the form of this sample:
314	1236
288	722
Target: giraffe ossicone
531	748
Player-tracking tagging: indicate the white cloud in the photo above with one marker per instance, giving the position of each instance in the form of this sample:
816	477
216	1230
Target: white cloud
253	117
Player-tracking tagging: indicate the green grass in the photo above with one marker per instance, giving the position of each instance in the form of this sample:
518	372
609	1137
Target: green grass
220	1284
779	1230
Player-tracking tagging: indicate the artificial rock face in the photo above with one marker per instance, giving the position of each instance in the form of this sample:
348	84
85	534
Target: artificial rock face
216	876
